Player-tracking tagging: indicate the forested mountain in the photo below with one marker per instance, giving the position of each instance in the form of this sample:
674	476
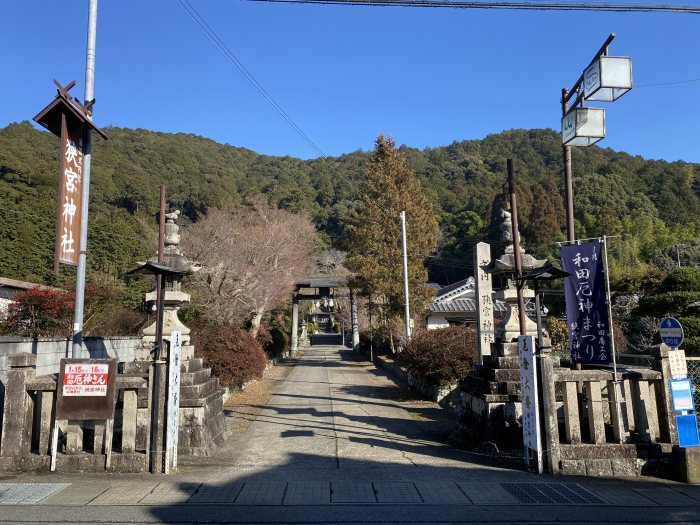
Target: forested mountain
654	205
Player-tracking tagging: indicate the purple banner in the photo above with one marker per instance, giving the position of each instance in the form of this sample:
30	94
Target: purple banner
586	303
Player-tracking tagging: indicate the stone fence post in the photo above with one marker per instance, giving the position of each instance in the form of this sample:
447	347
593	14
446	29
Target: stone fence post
18	410
550	438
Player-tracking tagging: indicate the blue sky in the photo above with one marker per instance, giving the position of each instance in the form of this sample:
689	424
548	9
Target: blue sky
344	74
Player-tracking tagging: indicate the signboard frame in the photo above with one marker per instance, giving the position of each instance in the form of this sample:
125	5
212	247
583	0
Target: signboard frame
82	407
682	395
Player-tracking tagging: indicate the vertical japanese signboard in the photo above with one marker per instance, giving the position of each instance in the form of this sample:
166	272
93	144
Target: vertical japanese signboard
529	397
484	299
173	407
586	304
69	192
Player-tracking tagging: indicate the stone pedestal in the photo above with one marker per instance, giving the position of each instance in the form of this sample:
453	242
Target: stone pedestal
173	300
509	328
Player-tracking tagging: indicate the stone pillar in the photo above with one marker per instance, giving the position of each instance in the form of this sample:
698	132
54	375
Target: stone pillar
295	324
129	421
18	419
549	407
353	318
484	299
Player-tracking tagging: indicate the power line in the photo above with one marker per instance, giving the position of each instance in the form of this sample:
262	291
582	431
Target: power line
527	6
667	84
238	65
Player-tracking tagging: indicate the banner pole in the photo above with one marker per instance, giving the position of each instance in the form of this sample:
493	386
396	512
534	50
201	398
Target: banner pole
618	425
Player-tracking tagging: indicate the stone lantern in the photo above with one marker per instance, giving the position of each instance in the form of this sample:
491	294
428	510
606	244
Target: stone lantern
509	329
174	296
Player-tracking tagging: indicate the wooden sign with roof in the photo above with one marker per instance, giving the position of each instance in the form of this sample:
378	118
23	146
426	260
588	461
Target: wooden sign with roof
67	118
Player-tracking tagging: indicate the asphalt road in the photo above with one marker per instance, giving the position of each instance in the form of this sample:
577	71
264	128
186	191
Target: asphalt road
338	442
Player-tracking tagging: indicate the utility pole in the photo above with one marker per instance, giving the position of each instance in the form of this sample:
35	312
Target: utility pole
407	312
85	189
678	255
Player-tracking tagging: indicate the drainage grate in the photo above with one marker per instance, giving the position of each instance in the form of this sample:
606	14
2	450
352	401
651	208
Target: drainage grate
552	493
27	493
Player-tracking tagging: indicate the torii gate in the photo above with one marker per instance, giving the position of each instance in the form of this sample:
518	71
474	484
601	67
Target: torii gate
313	289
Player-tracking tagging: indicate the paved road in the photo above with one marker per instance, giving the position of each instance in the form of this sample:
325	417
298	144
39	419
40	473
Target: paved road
338	443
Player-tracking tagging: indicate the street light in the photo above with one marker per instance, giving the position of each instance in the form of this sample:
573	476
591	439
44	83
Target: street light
605	79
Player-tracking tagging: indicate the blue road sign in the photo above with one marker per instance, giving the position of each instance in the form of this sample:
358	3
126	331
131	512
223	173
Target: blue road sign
687	427
671	332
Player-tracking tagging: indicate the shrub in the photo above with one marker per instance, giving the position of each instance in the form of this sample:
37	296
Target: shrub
234	355
681	280
558	334
39	312
441	357
119	321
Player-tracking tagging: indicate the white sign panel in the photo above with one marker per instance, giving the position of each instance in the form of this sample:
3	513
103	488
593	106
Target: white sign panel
607	79
85	380
682	395
679	367
530	401
583	126
173	402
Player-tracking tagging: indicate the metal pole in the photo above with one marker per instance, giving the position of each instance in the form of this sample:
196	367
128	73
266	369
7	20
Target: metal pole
568	176
516	248
78	312
156	411
407	313
617	391
607	297
678	256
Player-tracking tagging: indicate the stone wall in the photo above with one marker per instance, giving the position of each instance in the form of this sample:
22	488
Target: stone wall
50	350
446	395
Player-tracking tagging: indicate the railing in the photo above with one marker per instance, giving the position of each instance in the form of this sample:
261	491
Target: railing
591	407
29	414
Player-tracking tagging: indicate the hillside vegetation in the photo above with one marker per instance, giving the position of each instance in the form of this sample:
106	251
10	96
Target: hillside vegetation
654	205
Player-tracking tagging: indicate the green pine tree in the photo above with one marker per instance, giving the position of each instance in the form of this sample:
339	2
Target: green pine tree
374	233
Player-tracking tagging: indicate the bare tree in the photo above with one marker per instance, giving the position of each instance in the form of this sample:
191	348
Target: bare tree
251	258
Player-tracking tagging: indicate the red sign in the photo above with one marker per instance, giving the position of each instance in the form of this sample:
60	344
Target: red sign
85	380
69	192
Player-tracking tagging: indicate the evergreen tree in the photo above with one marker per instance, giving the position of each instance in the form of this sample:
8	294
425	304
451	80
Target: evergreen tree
374	233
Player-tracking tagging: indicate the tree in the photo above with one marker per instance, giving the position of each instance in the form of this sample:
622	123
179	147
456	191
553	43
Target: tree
374	233
251	257
677	295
